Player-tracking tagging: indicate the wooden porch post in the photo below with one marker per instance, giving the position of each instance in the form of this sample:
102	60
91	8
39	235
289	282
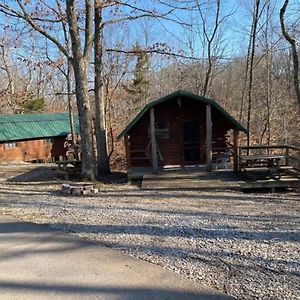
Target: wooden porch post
208	138
127	149
235	150
153	141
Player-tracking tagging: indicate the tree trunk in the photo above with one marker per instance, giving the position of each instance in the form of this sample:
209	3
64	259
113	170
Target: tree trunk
84	112
100	127
80	64
268	58
70	108
250	87
293	44
246	76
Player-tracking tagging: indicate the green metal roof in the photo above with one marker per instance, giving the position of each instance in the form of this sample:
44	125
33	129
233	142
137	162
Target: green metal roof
182	94
29	126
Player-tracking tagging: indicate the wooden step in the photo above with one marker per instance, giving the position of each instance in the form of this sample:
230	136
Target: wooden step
266	169
189	184
293	172
215	175
287	181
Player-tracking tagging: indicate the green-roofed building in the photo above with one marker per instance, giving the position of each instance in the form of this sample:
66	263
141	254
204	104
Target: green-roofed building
181	129
30	137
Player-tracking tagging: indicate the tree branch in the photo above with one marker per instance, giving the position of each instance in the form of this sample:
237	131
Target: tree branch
74	30
25	16
88	28
162	52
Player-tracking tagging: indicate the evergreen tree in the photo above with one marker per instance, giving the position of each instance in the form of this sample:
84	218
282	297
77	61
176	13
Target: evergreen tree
139	88
33	104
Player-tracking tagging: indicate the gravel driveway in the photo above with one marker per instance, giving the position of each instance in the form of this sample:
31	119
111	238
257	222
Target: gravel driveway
246	245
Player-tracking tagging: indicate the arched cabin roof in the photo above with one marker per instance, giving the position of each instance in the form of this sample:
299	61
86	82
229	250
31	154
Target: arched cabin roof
182	95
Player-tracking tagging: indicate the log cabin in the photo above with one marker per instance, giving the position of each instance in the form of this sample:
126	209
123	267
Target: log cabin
34	137
180	129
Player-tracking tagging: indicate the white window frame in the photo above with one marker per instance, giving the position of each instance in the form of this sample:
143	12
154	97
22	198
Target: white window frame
10	145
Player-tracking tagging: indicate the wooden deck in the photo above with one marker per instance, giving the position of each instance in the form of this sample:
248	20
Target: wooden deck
259	178
199	179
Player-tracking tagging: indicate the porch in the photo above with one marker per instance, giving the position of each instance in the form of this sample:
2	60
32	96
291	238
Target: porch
190	178
254	176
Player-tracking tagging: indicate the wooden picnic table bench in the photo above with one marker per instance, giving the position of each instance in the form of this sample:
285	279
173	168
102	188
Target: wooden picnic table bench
271	161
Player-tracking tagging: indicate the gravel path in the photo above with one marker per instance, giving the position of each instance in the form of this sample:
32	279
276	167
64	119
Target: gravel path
246	245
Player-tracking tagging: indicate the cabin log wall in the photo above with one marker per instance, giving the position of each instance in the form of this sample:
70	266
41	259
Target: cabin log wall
30	150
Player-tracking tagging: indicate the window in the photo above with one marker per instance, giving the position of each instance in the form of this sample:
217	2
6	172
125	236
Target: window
162	130
10	145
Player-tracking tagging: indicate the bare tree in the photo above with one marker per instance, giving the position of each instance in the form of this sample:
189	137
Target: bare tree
251	65
210	39
9	90
79	59
100	126
203	33
268	60
293	44
19	81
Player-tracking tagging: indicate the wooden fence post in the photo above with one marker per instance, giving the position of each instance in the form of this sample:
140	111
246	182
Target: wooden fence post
127	149
208	138
287	155
153	141
235	150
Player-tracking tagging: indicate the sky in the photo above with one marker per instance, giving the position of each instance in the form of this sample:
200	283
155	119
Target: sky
234	33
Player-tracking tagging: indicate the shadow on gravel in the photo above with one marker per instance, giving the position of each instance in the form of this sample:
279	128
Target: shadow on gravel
200	196
125	293
181	231
216	258
216	215
35	175
39	235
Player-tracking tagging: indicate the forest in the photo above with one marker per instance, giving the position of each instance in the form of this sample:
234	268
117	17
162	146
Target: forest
105	59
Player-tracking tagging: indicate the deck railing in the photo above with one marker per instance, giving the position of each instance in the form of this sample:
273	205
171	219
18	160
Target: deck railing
291	153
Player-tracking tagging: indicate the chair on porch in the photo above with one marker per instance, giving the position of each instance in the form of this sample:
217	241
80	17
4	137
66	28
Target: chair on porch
223	160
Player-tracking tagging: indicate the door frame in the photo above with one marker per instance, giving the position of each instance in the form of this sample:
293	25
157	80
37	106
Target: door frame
183	161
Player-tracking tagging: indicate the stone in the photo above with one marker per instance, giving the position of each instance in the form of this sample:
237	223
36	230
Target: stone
66	189
88	187
94	191
76	191
86	193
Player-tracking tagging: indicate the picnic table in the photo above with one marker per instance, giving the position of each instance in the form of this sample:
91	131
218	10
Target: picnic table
64	164
271	161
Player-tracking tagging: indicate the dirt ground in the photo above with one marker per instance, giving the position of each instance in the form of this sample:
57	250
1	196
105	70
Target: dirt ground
247	245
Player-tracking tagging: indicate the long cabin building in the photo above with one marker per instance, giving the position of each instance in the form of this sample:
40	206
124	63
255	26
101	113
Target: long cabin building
34	137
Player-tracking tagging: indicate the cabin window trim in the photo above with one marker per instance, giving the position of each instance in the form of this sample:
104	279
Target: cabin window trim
10	145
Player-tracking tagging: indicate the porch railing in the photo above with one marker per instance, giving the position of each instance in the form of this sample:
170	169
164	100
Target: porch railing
291	153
